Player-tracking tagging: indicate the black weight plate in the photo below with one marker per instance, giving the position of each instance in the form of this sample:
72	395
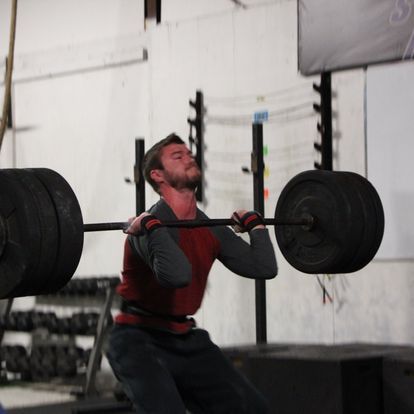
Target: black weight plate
321	248
379	233
21	247
13	269
48	232
3	235
367	212
380	219
70	224
374	216
357	220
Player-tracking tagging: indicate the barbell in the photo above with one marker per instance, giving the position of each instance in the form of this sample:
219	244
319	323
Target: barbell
325	222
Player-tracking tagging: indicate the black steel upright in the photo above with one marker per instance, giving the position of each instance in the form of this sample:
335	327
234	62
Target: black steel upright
138	177
152	9
257	169
325	126
198	124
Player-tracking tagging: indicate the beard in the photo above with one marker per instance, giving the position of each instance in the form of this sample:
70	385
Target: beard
187	180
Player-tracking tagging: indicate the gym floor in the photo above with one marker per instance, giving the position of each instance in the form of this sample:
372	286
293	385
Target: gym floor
56	397
28	400
12	397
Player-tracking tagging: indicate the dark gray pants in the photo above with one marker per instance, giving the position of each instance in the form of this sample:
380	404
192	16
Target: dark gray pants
163	373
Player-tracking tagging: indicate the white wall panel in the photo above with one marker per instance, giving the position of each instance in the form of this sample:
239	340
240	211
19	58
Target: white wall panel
83	126
390	123
48	24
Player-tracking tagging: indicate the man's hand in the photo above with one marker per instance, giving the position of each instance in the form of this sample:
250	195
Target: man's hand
142	224
247	221
135	224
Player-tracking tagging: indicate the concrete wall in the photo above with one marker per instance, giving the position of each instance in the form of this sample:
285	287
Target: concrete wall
244	59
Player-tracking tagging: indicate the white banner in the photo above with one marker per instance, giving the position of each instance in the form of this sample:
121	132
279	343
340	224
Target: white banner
341	34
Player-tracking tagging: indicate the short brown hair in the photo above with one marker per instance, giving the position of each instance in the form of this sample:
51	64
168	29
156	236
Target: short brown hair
152	158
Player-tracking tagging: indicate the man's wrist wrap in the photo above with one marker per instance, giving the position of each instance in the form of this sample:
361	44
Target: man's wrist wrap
251	219
150	223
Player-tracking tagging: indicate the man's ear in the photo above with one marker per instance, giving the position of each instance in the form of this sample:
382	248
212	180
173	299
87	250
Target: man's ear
157	176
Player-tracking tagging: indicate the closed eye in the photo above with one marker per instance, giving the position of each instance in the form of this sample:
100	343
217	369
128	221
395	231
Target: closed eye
180	154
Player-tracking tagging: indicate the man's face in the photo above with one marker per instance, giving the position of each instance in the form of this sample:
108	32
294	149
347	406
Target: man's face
180	169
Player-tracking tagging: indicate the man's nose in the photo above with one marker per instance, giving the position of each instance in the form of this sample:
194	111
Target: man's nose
190	158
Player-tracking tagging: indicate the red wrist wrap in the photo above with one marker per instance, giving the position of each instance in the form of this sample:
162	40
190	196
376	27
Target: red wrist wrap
251	219
150	223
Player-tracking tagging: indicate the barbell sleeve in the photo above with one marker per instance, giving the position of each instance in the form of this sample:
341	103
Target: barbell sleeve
119	225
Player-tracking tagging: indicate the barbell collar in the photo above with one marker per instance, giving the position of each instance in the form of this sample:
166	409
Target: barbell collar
305	221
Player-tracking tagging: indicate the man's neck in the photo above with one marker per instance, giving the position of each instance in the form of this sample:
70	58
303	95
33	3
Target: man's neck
182	202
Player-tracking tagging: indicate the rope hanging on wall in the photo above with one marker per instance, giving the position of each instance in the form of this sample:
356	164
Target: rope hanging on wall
9	71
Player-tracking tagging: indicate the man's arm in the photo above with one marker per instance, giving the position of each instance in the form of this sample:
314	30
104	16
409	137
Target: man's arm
255	260
159	250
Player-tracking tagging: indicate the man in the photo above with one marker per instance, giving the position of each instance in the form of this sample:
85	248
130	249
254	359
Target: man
164	362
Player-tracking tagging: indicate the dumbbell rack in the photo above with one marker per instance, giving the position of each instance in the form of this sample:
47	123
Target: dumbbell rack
87	287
